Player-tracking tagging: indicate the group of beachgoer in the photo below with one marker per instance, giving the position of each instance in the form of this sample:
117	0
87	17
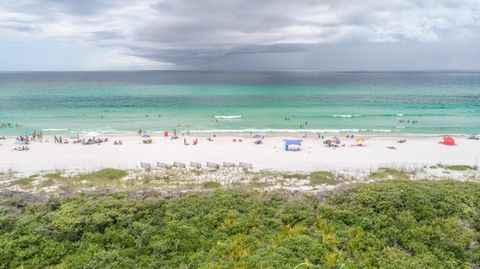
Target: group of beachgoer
119	142
9	125
23	140
60	140
194	142
408	121
303	125
37	136
22	148
93	140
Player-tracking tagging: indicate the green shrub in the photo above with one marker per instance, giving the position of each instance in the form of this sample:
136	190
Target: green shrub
460	167
54	176
390	173
389	224
105	175
26	180
211	185
323	177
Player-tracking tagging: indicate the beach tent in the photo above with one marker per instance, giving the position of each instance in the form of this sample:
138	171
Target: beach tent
448	140
258	139
293	144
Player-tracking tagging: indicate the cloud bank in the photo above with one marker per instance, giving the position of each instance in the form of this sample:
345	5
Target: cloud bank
243	34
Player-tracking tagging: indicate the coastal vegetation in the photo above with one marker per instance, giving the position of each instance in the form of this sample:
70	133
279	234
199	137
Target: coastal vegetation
387	224
461	167
178	179
323	177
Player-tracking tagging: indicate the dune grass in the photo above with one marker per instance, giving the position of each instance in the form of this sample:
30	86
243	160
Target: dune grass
460	167
26	180
390	173
323	177
54	175
107	174
211	185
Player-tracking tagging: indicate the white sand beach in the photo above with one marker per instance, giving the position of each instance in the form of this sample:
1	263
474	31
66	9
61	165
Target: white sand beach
416	152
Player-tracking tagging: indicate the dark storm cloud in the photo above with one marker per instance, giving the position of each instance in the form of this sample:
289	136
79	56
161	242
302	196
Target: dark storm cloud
210	57
227	34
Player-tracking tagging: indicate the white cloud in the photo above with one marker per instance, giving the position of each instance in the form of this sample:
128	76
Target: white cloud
157	33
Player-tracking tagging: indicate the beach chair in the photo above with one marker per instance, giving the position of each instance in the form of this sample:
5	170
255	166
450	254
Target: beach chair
213	165
179	165
195	165
228	165
145	165
245	165
162	165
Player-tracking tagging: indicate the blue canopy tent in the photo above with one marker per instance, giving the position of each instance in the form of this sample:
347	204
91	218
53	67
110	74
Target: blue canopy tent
289	142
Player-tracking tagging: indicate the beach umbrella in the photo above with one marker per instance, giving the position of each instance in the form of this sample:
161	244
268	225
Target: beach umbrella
145	136
360	139
90	135
257	136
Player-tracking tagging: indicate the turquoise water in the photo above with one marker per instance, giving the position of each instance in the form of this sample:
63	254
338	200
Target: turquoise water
113	102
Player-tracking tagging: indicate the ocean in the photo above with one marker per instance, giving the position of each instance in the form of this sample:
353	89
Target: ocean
383	103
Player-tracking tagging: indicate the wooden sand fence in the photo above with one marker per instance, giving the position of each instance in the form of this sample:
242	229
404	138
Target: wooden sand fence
213	165
179	165
228	165
162	165
145	165
195	165
245	166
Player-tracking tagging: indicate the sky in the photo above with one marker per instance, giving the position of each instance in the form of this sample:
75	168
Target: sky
327	35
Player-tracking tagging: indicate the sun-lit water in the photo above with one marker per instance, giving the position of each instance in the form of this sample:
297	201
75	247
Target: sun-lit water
371	103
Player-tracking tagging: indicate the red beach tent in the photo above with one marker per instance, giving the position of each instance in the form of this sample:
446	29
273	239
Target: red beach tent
448	140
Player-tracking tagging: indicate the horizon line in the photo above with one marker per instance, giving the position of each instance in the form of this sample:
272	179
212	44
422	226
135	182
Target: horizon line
244	70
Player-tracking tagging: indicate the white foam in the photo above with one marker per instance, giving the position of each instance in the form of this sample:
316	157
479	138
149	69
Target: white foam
400	114
346	116
254	130
54	130
228	117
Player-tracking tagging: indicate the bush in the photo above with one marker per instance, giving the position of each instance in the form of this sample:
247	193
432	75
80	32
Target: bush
390	173
460	167
323	177
211	185
105	174
391	224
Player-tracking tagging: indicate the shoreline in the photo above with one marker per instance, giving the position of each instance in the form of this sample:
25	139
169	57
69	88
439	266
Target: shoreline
248	133
314	156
